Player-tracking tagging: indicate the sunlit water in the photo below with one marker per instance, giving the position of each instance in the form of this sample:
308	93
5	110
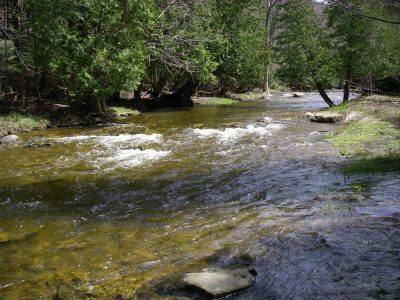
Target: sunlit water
125	209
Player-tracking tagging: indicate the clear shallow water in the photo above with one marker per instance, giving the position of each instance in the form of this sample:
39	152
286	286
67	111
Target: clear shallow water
124	209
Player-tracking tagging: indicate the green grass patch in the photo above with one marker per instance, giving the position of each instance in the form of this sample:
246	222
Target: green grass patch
16	122
342	108
368	137
218	101
125	111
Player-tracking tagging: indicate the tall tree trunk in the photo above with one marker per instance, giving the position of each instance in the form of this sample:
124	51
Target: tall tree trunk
97	104
23	87
138	93
346	87
5	49
346	91
125	16
324	95
269	6
266	79
103	104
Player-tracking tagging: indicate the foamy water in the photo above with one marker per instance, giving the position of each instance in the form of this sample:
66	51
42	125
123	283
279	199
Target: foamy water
139	139
230	134
135	157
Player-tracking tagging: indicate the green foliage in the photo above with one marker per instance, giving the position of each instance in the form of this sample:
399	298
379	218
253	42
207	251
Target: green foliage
178	43
303	54
363	48
239	44
88	44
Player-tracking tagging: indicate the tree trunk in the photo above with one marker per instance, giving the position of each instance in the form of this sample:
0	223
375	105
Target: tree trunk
103	104
125	16
186	91
346	88
267	48
324	95
159	86
269	5
222	88
23	87
266	79
346	91
97	105
182	97
138	93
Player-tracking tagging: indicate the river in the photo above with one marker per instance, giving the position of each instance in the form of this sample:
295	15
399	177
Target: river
125	209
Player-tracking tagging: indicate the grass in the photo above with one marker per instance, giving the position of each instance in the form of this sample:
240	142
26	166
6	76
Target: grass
257	95
373	139
16	122
125	111
216	101
368	137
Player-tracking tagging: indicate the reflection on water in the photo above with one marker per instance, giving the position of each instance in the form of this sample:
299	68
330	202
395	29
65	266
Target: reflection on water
121	210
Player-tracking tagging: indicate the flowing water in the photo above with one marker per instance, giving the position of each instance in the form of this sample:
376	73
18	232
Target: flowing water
121	211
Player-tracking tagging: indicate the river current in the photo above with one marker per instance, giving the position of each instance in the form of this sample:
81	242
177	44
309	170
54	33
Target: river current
124	210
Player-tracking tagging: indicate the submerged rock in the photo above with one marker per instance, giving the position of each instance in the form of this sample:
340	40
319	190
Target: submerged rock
43	145
268	120
8	139
220	282
324	117
286	95
298	95
232	125
198	126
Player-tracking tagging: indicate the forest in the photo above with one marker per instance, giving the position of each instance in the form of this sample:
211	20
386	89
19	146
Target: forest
88	52
199	149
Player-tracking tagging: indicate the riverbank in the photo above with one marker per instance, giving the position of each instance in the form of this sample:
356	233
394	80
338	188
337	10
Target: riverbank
371	134
16	123
23	121
372	127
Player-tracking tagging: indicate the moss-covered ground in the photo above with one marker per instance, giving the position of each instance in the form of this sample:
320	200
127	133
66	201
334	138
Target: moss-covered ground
374	137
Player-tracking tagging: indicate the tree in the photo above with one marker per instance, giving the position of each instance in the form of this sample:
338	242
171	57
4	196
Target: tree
304	57
178	48
364	48
91	45
239	47
270	12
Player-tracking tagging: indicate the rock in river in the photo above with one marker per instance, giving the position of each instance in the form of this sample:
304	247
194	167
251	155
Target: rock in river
198	126
287	95
298	95
220	282
324	117
8	139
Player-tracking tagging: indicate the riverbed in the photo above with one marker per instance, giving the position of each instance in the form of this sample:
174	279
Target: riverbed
125	209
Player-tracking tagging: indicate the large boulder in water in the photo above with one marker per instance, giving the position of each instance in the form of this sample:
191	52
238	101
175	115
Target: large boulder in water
218	283
8	139
324	117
